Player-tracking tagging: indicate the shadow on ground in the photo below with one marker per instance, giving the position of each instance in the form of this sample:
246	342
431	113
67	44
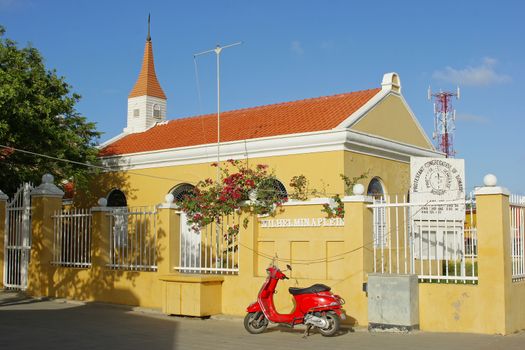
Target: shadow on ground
14	298
300	330
27	323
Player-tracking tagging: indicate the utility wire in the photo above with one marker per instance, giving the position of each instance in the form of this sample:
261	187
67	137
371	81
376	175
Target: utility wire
100	167
108	168
197	83
321	260
295	261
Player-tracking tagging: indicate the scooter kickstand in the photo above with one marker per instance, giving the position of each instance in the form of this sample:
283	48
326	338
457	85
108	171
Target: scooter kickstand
307	331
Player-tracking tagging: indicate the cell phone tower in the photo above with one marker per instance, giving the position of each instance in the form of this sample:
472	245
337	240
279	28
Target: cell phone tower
444	120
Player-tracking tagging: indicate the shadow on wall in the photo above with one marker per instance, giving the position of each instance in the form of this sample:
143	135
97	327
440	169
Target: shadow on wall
127	285
99	185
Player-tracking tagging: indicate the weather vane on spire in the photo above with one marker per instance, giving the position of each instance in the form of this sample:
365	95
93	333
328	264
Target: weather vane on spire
149	36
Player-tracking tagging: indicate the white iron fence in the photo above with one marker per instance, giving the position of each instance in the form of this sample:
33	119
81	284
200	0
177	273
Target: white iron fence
517	231
72	238
17	240
436	240
133	238
212	250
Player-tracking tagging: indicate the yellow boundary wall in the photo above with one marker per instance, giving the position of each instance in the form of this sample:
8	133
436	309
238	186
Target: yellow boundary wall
343	257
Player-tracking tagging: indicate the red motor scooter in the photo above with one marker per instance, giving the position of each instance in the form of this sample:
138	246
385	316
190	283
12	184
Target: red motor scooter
315	306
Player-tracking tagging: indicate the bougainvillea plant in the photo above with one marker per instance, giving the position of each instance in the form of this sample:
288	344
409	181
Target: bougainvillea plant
335	209
240	189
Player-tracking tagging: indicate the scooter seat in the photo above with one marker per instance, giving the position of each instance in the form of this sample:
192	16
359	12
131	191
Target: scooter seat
316	288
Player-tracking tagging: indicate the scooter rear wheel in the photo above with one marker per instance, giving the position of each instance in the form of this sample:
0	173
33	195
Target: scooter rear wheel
255	322
334	322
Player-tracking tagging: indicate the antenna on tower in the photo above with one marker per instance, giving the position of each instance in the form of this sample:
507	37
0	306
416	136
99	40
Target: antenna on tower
444	120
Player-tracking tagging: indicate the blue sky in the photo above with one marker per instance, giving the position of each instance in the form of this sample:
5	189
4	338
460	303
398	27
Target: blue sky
294	50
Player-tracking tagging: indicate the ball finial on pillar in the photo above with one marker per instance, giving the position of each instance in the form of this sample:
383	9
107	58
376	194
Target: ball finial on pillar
358	189
47	179
169	198
490	180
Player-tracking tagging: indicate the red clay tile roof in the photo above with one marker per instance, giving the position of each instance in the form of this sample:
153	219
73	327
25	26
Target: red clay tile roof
314	114
147	83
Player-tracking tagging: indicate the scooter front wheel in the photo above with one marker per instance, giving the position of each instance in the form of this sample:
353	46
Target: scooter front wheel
255	322
334	322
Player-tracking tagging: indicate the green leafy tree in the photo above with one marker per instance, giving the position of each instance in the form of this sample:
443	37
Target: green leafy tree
37	114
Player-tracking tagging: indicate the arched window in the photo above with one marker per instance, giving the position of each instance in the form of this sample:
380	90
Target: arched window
156	111
182	190
117	198
375	189
270	188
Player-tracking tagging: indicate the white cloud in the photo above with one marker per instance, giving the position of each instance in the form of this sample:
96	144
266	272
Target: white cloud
465	117
481	75
297	48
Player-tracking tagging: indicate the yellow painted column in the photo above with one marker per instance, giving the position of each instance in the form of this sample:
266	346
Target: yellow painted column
3	213
46	199
359	260
100	238
248	247
494	263
168	237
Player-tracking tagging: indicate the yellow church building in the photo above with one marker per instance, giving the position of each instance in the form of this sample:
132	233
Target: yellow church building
371	132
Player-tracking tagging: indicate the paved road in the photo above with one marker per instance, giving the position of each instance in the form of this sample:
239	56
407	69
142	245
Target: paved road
36	324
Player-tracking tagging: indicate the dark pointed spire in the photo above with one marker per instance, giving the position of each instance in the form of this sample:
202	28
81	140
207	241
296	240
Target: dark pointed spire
149	36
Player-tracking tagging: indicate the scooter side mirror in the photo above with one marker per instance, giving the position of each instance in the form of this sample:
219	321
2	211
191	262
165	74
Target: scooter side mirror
288	267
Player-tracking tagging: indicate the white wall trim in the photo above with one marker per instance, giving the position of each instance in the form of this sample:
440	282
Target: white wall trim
361	142
417	121
314	142
357	199
364	109
386	90
111	140
311	201
492	190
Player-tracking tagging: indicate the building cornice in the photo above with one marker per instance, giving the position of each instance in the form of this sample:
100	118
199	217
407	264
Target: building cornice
313	142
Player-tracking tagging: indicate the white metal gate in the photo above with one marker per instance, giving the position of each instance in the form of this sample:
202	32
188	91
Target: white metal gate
133	238
436	240
213	249
18	239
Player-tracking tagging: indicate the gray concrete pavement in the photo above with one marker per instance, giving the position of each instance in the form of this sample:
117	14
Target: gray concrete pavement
53	324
